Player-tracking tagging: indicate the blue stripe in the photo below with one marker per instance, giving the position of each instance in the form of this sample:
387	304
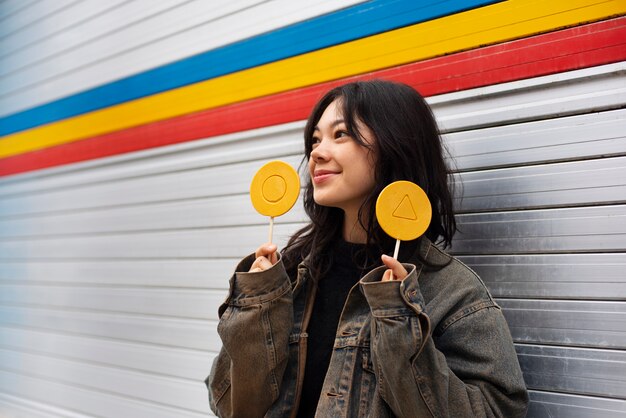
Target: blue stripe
348	24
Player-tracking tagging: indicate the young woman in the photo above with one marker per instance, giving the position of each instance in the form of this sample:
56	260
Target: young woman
320	330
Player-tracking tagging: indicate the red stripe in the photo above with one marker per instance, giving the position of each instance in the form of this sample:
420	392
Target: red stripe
565	50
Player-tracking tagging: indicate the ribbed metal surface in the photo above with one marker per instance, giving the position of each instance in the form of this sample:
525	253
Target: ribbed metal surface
49	61
26	13
550	405
597	181
547	276
64	396
567	322
599	229
583	136
160	331
574	370
111	271
586	229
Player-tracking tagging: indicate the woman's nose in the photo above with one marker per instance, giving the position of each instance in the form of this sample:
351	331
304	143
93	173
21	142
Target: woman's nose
319	153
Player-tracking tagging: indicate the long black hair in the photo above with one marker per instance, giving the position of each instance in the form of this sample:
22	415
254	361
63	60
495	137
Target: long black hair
407	146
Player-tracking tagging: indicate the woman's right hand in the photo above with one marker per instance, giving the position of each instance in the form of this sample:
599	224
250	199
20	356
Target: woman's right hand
265	257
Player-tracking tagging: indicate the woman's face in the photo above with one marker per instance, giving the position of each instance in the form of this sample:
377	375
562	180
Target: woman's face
342	170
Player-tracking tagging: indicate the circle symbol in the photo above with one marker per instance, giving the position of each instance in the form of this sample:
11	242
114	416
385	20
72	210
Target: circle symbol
275	188
403	210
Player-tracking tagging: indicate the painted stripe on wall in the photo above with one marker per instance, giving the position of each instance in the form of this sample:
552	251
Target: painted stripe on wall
342	26
488	25
565	50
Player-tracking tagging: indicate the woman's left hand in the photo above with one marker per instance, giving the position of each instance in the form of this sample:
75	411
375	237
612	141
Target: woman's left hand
399	272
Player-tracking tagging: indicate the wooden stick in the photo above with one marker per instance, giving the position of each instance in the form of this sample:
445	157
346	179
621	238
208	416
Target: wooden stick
271	228
395	255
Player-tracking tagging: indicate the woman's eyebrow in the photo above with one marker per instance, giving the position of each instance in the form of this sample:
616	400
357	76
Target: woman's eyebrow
335	123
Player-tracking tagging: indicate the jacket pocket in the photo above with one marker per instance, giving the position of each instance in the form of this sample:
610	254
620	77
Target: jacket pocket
218	381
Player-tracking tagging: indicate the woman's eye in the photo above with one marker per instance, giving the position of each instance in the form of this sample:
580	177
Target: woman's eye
315	142
341	134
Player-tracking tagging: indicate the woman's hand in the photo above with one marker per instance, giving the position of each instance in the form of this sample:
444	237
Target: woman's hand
399	272
265	257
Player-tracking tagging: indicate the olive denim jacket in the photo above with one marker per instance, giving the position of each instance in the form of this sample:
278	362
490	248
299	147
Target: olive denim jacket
434	344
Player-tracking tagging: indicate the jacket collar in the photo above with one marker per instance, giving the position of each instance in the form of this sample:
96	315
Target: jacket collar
429	254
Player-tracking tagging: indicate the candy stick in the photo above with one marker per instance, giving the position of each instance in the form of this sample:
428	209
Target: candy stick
271	228
395	255
397	250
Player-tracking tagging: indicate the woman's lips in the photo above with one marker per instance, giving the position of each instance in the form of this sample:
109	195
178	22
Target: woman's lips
323	176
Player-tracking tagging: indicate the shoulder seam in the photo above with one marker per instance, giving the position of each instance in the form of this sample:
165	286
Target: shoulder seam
462	313
477	277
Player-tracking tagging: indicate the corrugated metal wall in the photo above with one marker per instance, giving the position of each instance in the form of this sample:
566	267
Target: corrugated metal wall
543	222
111	270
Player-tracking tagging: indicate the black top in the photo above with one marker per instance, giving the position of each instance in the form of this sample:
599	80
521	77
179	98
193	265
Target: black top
332	292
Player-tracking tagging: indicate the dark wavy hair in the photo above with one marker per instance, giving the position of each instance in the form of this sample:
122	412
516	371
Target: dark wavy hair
407	146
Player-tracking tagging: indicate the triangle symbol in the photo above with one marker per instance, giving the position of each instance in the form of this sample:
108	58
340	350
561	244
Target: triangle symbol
405	209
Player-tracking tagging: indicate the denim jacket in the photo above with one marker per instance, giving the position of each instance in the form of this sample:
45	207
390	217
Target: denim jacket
434	344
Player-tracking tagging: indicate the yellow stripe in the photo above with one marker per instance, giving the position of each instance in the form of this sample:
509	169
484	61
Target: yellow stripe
487	25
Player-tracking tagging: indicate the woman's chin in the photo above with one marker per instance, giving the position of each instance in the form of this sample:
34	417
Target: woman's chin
325	201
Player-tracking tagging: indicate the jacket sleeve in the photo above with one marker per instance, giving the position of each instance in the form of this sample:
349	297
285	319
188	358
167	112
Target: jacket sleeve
254	326
471	371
